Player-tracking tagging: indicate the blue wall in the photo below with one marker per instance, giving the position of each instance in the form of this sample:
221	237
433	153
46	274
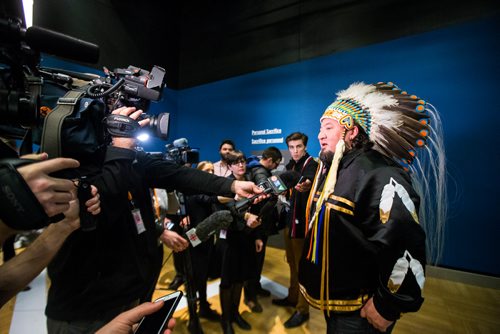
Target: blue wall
456	69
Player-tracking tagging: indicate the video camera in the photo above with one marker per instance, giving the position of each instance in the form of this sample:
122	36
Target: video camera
131	87
30	94
180	152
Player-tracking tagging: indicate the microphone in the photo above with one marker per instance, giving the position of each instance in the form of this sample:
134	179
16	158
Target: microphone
275	184
180	143
210	225
62	45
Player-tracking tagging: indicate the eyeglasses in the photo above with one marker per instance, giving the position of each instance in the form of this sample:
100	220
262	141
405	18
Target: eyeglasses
239	162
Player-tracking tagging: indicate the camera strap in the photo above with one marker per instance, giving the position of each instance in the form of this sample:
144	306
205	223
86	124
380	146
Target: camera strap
52	126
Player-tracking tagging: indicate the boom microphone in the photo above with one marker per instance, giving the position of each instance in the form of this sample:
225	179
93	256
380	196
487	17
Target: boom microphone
210	225
49	41
62	45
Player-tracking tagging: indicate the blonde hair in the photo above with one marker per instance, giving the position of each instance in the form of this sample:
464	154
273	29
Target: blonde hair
203	164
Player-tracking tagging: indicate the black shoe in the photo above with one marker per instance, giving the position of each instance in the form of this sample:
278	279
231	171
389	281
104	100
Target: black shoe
263	292
296	320
254	306
242	323
207	313
283	302
176	283
227	328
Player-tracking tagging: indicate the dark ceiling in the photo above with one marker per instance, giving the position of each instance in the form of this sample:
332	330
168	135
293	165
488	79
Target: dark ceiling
203	41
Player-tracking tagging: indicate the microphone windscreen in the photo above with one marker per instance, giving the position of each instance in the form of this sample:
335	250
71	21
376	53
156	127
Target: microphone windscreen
216	221
58	44
180	143
290	178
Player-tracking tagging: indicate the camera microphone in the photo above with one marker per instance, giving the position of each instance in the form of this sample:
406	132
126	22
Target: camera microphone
180	143
58	44
210	225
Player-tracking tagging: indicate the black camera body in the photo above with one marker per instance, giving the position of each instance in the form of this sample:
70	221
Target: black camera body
29	92
181	153
133	87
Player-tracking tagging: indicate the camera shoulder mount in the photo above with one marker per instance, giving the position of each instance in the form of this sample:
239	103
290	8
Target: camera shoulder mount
51	135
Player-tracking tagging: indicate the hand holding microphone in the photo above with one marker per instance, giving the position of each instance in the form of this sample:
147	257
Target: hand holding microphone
275	184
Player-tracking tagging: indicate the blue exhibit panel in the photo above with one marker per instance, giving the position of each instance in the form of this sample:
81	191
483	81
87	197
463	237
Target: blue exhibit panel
456	69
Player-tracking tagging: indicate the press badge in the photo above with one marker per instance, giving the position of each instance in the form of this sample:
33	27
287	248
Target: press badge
139	224
223	234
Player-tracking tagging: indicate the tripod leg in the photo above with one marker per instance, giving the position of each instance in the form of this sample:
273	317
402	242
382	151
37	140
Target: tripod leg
194	325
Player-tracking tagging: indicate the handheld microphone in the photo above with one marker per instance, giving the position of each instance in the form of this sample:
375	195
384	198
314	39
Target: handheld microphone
275	184
210	225
88	222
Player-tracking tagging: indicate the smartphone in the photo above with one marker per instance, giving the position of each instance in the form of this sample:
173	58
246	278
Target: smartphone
157	322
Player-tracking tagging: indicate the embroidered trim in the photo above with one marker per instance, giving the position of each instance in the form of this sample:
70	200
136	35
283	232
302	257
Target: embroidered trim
339	208
335	305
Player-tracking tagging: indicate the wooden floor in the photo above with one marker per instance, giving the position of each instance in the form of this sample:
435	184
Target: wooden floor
449	307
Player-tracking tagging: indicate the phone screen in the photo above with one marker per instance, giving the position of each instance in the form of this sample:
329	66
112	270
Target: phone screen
155	323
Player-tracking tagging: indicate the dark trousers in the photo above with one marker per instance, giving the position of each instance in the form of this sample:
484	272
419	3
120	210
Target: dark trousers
350	323
252	285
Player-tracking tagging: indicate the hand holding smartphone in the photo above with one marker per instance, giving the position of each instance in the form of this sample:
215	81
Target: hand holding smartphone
156	323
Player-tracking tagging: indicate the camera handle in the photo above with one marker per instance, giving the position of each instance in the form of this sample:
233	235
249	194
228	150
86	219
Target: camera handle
88	222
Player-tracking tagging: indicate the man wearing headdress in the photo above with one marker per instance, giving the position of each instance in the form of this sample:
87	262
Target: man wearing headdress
365	250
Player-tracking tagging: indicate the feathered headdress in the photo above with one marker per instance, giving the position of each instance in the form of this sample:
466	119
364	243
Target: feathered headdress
398	124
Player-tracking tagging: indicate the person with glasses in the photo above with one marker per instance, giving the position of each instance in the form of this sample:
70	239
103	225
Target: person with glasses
236	250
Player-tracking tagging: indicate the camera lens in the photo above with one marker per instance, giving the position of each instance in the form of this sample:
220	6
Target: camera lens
159	124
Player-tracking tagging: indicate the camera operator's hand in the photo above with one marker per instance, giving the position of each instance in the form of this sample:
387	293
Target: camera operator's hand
133	113
174	241
71	216
125	322
94	204
53	193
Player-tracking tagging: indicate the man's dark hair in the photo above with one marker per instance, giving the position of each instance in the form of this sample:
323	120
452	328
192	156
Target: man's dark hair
227	141
361	140
297	136
272	152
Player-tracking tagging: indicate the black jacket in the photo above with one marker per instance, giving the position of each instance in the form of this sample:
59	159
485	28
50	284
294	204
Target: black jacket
295	219
366	236
259	174
97	272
